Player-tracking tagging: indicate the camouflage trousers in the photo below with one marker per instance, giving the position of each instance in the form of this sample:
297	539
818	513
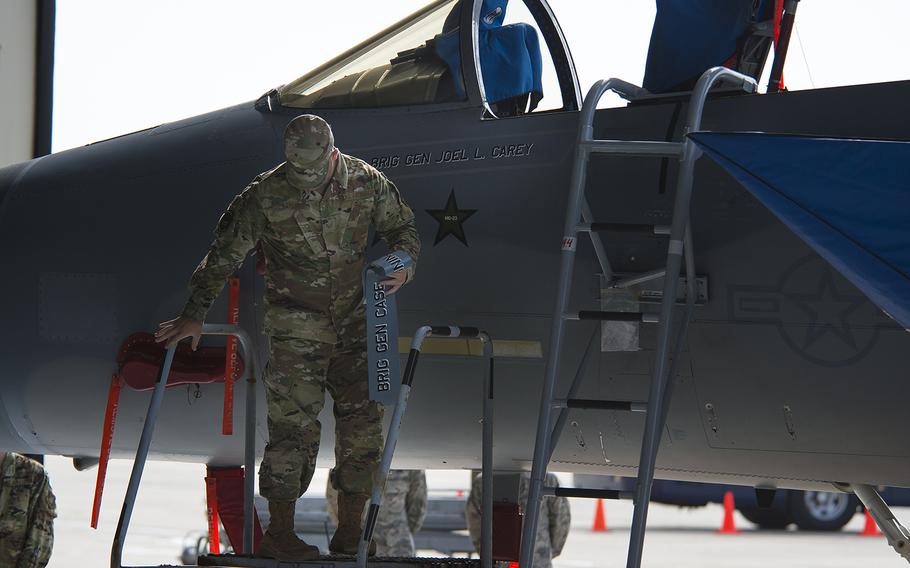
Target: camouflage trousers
296	378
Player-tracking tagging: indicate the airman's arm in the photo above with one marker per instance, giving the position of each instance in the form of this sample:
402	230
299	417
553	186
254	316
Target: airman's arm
394	221
235	236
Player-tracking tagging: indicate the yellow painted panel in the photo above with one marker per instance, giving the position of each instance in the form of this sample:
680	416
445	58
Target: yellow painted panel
459	346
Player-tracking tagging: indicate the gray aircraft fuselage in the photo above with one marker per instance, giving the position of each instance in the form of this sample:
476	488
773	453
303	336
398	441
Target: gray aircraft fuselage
789	378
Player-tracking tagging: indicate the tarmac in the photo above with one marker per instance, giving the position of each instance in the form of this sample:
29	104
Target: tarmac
170	509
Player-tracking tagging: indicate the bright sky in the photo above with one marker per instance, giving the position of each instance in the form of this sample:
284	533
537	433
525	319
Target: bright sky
122	66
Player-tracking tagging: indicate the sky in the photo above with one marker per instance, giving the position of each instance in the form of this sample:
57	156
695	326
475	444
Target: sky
124	65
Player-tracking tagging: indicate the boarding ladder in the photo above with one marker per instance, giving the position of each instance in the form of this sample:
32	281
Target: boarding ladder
578	220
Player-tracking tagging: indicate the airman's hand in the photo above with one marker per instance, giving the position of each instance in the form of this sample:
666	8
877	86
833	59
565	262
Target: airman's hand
395	281
173	331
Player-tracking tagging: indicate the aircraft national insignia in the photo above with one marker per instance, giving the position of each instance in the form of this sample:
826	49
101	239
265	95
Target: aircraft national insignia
815	313
451	220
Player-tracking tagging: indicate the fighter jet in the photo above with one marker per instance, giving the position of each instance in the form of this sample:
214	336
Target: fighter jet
788	376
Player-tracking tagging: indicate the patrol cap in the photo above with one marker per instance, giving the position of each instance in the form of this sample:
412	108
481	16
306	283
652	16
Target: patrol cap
308	146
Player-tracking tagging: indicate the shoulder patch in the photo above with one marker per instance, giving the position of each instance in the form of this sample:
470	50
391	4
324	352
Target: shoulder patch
262	185
360	173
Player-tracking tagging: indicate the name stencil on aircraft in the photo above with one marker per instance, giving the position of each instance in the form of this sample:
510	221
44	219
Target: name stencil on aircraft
453	155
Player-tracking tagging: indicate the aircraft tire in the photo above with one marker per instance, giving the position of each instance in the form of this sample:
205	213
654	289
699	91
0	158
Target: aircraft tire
820	510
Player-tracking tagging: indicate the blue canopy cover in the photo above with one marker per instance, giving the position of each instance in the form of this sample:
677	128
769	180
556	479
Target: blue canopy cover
691	36
848	199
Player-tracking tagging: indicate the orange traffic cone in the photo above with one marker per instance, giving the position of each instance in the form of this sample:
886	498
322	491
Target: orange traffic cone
871	529
600	519
729	526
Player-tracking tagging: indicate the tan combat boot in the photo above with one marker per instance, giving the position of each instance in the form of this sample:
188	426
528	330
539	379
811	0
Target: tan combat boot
349	532
280	540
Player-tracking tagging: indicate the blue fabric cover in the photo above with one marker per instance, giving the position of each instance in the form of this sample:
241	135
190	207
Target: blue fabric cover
510	59
690	37
848	199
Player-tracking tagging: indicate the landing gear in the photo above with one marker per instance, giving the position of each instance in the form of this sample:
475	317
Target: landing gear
897	534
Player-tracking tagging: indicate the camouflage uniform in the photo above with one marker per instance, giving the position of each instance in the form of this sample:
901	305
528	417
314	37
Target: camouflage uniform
313	242
27	511
401	514
552	526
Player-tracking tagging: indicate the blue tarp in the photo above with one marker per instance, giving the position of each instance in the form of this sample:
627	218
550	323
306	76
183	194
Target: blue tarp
510	59
691	36
848	199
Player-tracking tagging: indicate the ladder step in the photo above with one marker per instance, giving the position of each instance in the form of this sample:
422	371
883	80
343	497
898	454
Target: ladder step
634	147
636	317
639	228
588	493
592	404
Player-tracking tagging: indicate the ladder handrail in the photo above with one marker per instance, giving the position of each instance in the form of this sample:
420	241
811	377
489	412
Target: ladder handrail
586	144
148	428
660	377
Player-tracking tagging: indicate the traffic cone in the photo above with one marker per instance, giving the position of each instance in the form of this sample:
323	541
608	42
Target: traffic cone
729	526
600	519
871	529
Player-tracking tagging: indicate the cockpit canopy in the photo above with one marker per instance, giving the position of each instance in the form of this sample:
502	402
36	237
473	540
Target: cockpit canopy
420	61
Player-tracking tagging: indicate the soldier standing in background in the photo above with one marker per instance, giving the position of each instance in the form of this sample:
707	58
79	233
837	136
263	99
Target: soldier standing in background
27	512
552	528
310	217
401	514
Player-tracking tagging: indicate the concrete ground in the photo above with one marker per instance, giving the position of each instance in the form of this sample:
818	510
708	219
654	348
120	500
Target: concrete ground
171	506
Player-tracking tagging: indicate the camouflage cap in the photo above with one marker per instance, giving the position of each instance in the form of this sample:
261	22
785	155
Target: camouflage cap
308	146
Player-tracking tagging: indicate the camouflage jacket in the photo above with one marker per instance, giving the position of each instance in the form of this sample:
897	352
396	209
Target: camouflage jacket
552	525
401	514
313	244
27	511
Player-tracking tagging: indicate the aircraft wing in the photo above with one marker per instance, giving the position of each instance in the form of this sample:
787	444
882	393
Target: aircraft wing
847	198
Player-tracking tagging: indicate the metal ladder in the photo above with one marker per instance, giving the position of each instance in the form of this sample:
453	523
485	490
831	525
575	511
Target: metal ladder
680	243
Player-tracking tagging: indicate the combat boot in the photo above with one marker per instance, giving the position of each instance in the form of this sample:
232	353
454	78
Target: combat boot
347	535
280	540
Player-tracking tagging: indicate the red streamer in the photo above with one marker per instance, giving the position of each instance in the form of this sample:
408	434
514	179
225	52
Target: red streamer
211	501
107	436
230	358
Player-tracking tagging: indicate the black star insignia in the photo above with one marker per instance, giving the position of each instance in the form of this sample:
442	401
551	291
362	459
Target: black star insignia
451	220
826	320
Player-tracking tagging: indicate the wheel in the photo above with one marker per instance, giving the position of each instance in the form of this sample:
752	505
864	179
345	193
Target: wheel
821	511
775	518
